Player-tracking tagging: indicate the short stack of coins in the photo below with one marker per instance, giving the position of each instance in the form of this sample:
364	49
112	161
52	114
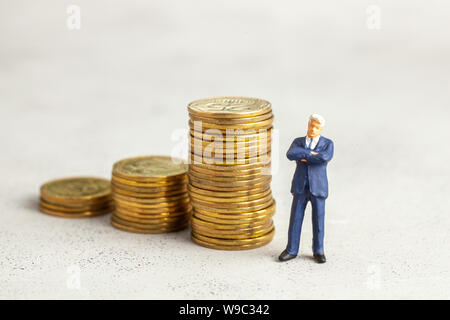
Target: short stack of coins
150	194
229	172
76	197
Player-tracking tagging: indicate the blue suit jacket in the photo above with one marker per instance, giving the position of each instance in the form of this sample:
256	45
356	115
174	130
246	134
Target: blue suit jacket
314	169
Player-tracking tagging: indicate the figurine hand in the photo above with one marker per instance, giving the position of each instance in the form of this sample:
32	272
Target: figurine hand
303	160
314	153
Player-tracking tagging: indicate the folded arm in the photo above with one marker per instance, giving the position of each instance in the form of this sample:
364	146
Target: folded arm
296	151
322	156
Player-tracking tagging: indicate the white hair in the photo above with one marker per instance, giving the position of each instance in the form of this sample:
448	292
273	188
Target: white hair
318	118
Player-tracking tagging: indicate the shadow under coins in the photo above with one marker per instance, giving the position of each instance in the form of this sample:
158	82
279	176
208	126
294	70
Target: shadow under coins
31	202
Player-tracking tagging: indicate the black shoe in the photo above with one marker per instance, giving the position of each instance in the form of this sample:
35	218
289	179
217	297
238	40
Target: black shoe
285	256
320	258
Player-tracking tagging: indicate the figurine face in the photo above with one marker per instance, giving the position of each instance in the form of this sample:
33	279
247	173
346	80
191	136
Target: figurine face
314	128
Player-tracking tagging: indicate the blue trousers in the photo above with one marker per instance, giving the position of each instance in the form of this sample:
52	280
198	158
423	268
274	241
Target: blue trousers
318	221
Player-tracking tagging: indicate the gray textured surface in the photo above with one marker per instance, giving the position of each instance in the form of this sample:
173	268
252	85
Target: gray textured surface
73	102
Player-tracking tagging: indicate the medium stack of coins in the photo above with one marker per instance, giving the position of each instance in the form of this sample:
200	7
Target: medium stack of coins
76	197
229	173
150	195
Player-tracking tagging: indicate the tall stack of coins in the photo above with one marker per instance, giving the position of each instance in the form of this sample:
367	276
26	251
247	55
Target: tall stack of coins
229	172
76	197
150	194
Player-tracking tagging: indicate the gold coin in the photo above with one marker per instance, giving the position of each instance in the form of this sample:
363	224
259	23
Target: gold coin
76	215
65	209
154	206
220	176
232	210
260	160
198	222
162	202
242	159
229	107
233	235
149	195
76	204
260	213
173	210
170	199
228	193
82	206
150	168
226	146
231	148
219	201
116	186
236	183
198	145
237	236
231	189
231	248
202	126
234	218
263	170
243	129
206	226
220	204
150	217
233	168
233	156
224	155
166	224
215	200
148	231
231	121
236	153
227	133
236	242
152	209
234	135
230	178
140	215
76	190
222	241
159	220
165	183
239	221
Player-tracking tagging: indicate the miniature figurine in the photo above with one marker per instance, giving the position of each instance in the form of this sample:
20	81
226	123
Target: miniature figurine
312	154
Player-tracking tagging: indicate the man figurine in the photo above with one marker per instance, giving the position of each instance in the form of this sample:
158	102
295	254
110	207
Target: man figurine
312	154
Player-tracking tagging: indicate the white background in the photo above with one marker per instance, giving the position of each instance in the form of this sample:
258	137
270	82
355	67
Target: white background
74	102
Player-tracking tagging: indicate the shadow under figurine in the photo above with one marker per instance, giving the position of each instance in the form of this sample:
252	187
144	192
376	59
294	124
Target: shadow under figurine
312	154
